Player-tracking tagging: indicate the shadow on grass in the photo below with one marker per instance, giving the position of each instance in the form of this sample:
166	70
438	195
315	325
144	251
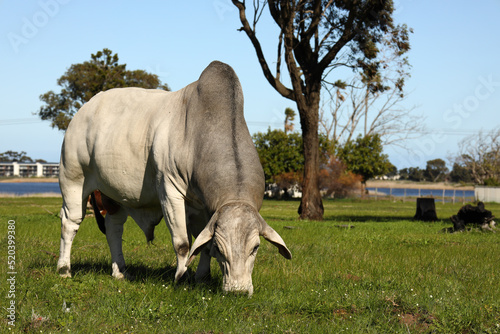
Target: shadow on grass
376	219
139	271
144	273
357	219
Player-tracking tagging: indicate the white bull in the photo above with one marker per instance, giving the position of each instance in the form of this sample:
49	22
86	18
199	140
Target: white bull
186	156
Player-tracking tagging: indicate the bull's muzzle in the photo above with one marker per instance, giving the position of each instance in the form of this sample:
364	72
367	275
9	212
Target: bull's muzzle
236	279
236	287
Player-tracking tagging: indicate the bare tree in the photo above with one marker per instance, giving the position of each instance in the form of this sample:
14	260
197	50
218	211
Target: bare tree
480	154
315	38
356	107
384	114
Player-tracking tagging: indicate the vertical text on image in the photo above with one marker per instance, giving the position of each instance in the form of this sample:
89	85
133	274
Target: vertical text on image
11	272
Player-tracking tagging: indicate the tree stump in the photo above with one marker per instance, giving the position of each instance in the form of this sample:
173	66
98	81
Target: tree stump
426	209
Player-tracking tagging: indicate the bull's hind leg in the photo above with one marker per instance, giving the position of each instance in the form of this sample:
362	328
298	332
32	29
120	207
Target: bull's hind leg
72	213
114	232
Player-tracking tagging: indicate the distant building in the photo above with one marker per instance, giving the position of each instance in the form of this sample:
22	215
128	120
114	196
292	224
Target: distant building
22	169
388	177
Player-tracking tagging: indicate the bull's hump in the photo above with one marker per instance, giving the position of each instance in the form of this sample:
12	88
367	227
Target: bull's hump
220	91
219	87
232	166
217	69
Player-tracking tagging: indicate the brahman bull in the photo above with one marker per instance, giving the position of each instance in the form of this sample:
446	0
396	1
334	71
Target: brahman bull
185	156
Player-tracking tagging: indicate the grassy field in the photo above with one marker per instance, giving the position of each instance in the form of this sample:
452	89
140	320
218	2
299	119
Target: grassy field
386	274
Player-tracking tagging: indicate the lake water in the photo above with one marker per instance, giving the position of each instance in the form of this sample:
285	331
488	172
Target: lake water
436	193
27	188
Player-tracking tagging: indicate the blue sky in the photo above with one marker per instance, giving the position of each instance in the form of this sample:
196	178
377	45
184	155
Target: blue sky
455	53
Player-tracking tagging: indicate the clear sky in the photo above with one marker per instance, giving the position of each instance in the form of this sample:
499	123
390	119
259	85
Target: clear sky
455	56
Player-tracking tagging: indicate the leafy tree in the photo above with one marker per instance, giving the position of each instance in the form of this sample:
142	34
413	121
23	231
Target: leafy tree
289	118
403	173
392	170
315	39
436	170
82	81
279	152
13	156
460	173
364	157
416	174
412	174
282	153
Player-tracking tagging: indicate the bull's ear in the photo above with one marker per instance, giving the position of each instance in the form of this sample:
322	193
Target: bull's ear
273	237
202	239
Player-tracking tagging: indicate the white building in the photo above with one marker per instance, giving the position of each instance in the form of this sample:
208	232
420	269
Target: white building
30	169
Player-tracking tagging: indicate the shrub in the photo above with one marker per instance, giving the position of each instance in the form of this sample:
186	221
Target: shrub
492	182
337	181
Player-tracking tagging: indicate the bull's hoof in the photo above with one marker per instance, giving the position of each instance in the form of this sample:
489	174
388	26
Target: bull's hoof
124	276
118	276
64	272
121	274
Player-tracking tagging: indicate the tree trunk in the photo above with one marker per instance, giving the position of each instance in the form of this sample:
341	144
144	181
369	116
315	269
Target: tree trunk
311	206
306	95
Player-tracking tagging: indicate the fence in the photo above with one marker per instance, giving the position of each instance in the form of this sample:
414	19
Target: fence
443	195
487	194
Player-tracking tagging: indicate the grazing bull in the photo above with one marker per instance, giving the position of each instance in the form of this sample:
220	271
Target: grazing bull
186	156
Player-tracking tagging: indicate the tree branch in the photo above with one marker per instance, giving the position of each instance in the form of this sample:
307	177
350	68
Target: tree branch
273	81
278	60
347	35
295	71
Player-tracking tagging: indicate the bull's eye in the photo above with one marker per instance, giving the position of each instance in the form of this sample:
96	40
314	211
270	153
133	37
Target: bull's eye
254	250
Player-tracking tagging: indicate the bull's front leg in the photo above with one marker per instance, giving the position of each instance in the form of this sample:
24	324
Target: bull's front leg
203	270
175	216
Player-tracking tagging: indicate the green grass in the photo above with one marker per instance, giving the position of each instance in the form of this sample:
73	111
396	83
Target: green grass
388	274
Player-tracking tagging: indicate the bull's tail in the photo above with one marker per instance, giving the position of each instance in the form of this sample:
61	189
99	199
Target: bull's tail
97	213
